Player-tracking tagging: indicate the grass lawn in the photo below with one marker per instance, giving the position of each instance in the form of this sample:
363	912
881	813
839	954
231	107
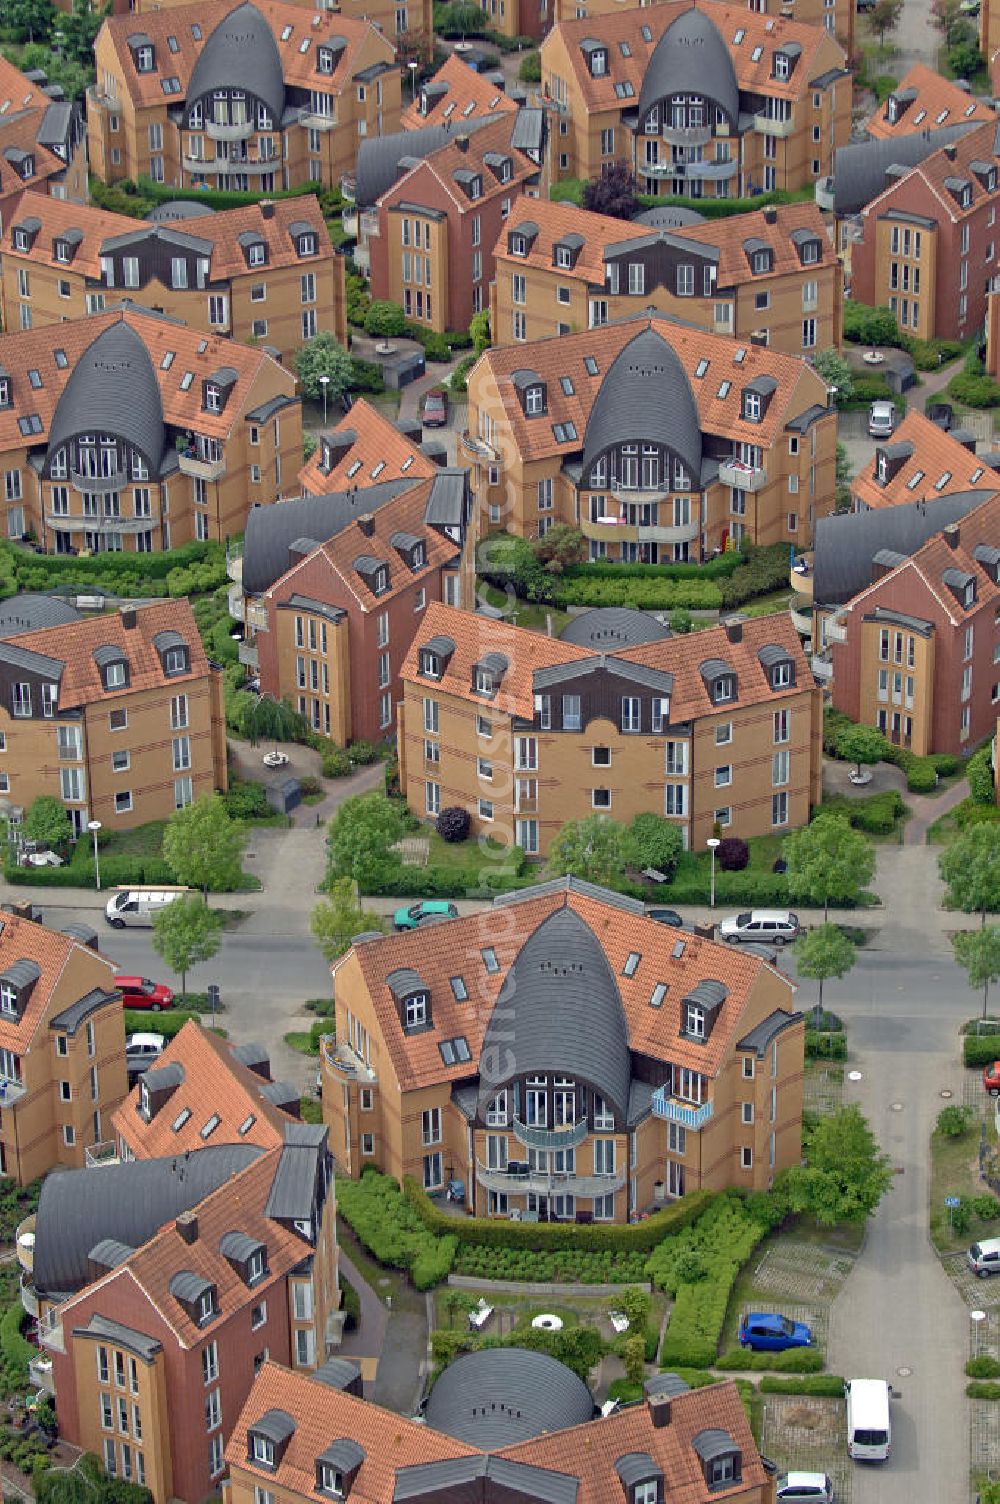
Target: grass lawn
143	840
774	604
459	856
955	1172
764	852
526	613
945	830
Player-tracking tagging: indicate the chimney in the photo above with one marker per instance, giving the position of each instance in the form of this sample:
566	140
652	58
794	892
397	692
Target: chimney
187	1226
128	618
462	142
366	522
267	208
952	534
704	931
950	153
659	1410
734	628
770	215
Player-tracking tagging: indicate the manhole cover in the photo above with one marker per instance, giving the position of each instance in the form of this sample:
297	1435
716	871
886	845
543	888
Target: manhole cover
854	1076
946	1095
904	1373
895	1106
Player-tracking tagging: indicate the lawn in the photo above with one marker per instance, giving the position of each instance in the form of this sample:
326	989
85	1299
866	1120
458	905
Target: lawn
525	613
459	856
773	604
142	840
943	831
955	1172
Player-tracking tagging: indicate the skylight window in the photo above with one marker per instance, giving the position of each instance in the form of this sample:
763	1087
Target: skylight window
171	85
459	989
941	115
725	388
455	1051
920	115
304	44
210	1126
740	356
657	995
173	44
975	474
679	949
740	34
186	380
180	1119
970	109
246	1125
378	469
942	481
449	109
915	481
469	107
406	464
624	49
61	359
701	367
567	385
167	361
631	963
202	346
196	31
286	32
490	960
35	378
590	365
624	90
353	468
646	34
756	54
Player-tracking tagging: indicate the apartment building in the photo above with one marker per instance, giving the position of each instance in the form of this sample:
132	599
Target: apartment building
62	1047
266	273
922	460
614	1028
365	443
165	1284
126	430
658	440
411	21
922	101
917	653
769	278
701	99
927	242
526	732
42	140
457	93
300	1437
224	96
119	717
337	586
836	16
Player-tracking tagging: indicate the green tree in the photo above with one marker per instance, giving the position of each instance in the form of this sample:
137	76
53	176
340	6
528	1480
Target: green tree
884	17
681	621
338	917
30	20
652	841
186	932
828	861
263	719
530	71
821	953
844	1176
635	1304
205	847
634	1357
562	546
360	836
861	744
385	320
835	371
323	356
843	480
47	822
978	951
79	31
592	849
970	867
479	330
945	16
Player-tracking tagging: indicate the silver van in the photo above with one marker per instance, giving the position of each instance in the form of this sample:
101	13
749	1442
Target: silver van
984	1257
138	906
763	926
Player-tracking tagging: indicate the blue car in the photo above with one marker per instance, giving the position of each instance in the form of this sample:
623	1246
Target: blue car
770	1332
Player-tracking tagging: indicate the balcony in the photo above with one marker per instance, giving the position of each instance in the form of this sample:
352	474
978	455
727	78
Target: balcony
237	608
822	667
672	1111
97	1155
248	655
40	1374
92	485
190	463
234	566
348	189
707	170
801	616
349	220
740	476
723	326
313	122
550	1138
29	1295
609	530
800	576
479	449
223	131
11	1092
686	135
543	1183
660	169
825	195
765	126
835	629
210	166
684	533
25	1240
50	1329
344	1062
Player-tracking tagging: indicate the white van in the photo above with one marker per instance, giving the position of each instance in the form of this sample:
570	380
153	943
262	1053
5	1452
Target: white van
128	906
869	1429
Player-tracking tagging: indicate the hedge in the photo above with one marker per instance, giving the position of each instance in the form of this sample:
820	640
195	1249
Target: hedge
980	1389
722	208
168	1023
826	1046
375	1208
713	569
564	1266
16	1352
543	1237
828	1385
980	774
983	1367
698	1268
193	568
876	814
794	1360
483	880
642	595
980	1049
115	871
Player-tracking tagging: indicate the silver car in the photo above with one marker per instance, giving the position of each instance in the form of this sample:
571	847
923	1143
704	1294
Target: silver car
804	1488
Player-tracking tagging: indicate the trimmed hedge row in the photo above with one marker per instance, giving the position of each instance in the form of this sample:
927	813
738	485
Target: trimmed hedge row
566	1266
643	595
826	1046
446	882
828	1385
115	871
795	1360
168	1023
375	1208
713	569
875	814
698	1268
981	1049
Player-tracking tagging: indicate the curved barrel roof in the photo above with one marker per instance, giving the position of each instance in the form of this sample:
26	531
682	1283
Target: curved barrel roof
241	53
645	396
113	389
691	57
504	1395
608	629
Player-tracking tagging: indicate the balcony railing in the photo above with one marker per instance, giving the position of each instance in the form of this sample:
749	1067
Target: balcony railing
348	189
801	616
344	1062
315	122
50	1329
825	198
223	131
684	1113
191	463
40	1375
29	1295
210	166
91	484
740	476
545	1183
609	530
822	667
11	1092
683	532
765	126
234	565
97	1155
480	449
835	629
550	1138
248	655
686	135
25	1244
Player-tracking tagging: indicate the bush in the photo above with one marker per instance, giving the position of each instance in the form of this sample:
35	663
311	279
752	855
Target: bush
794	1360
376	1210
351	1303
335	763
362	753
724	1236
979	770
921	776
954	1121
246	801
946	763
826	1385
366	376
458	380
980	1049
826	1046
530	71
453	824
974	391
733	854
983	1367
985	1206
876	814
978	1390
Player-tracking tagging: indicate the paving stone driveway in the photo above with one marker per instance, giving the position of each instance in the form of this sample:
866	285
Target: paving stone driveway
798	1271
807	1434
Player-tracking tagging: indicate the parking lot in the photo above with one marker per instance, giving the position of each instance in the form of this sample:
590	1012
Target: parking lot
810	1435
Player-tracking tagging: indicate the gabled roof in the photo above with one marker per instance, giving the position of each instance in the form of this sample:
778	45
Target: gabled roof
55	954
459	158
383	160
31	123
270	531
449	93
930	102
377	444
941	569
860	169
937	465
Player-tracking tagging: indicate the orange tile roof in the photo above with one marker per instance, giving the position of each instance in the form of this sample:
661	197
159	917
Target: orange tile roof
52	952
221	229
453	949
298	68
927	566
586	1452
22	108
464	87
758	30
975	146
377	442
214	1082
564	355
938	102
199	354
554	220
74	643
936	455
451	158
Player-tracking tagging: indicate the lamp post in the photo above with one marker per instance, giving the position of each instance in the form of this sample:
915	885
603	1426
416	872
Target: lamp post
977	1318
94	826
713	843
413	66
213	997
324	382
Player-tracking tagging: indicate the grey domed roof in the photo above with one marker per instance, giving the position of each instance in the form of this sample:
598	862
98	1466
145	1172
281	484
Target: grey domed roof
667	217
504	1395
113	389
611	628
691	57
178	209
645	396
241	53
560	1009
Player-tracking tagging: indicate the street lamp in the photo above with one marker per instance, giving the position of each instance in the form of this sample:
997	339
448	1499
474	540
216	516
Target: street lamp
324	382
977	1318
713	843
94	826
413	66
213	997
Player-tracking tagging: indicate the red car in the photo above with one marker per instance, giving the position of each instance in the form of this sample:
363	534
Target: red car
991	1078
140	992
435	410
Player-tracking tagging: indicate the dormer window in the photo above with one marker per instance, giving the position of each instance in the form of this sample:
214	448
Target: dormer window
330	1480
307	245
782	65
430	664
380	580
416	1010
598	62
8	999
476	186
518	245
781	675
144	59
261	1450
694	1021
564	256
892	110
213	398
113	666
761	262
724	689
810	252
62	252
484	682
257	254
751	407
324	60
881	467
5	400
721	1459
534	401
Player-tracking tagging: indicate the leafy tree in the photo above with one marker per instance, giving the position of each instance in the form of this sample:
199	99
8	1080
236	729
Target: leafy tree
360	836
681	621
339	917
835	371
861	744
479	330
635	1304
459	19
530	71
978	951
884	17
964	56
652	841
323	356
593	849
47	822
205	847
613	193
945	15
954	1121
310	444
562	546
185	933
634	1357
824	952
263	719
79	31
734	854
29	20
453	823
970	867
385	320
844	1176
828	861
843	480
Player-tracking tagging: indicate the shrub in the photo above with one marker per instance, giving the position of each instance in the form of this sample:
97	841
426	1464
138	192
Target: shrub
980	1049
828	1385
530	71
366	376
335	763
974	391
979	770
954	1121
985	1206
794	1360
921	776
946	763
826	1046
733	854
362	753
453	824
380	1216
351	1303
681	621
459	380
246	801
978	1390
871	326
876	814
724	1236
385	320
983	1367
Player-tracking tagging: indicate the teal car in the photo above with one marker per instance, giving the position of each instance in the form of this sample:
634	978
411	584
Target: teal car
418	913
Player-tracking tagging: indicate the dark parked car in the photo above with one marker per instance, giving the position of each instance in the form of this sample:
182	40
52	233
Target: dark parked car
435	413
665	916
